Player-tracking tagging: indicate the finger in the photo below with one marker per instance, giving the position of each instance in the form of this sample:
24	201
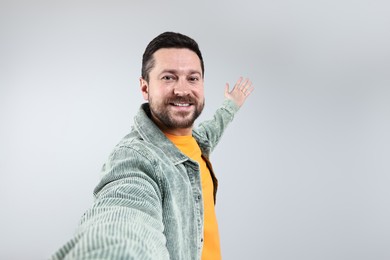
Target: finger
244	85
227	88
247	86
238	83
249	90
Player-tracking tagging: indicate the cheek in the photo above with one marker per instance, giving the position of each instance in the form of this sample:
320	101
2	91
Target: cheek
198	92
159	93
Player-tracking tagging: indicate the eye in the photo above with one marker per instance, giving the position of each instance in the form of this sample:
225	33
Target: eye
193	78
168	77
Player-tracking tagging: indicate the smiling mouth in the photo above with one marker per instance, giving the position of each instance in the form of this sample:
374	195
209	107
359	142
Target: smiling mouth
181	104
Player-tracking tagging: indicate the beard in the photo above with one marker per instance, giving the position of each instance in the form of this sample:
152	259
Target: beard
171	119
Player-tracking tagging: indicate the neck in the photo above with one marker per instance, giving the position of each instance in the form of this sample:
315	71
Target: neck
178	132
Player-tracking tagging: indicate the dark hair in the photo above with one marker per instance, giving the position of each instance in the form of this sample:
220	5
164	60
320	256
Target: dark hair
167	40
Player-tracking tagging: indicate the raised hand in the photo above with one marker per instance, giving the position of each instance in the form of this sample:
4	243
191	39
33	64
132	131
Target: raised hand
241	90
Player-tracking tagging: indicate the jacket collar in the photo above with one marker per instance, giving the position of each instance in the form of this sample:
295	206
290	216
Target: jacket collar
150	132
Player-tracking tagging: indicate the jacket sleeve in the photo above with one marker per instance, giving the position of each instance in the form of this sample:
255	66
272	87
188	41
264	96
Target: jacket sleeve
125	221
213	129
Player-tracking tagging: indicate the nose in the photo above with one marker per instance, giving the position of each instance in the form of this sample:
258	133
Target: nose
181	89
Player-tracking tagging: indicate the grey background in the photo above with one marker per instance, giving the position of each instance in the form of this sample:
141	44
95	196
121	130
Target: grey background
304	168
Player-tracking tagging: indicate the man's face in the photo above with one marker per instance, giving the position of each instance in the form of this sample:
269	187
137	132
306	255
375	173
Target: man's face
175	90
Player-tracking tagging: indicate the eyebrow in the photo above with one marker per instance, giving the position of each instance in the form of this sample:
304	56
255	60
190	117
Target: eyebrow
176	72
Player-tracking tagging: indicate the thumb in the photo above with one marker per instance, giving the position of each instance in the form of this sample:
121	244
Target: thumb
227	89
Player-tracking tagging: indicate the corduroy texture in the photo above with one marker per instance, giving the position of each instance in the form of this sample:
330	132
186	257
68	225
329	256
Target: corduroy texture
148	204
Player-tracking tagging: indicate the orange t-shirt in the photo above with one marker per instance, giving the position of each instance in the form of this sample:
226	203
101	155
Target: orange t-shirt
211	245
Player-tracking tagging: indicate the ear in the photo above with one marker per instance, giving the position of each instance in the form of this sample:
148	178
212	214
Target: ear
144	88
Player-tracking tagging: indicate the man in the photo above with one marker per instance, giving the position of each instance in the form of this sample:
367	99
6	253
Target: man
157	193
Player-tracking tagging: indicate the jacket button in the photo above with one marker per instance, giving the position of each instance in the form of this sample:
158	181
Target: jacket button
199	197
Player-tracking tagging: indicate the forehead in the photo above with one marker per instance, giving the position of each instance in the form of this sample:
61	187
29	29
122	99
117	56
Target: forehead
174	58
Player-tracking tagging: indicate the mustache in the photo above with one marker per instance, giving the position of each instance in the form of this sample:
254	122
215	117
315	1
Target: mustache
187	99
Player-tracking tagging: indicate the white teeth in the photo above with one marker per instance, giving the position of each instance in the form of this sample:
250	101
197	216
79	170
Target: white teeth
181	105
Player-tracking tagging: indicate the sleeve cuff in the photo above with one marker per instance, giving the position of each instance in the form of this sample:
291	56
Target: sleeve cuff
230	106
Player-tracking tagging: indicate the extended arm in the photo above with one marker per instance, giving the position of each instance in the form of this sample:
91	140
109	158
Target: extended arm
234	99
125	221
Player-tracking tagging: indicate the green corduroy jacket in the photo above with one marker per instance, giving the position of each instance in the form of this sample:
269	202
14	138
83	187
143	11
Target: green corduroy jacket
148	204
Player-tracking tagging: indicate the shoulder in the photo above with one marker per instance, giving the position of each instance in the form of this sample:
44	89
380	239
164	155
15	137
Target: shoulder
133	144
